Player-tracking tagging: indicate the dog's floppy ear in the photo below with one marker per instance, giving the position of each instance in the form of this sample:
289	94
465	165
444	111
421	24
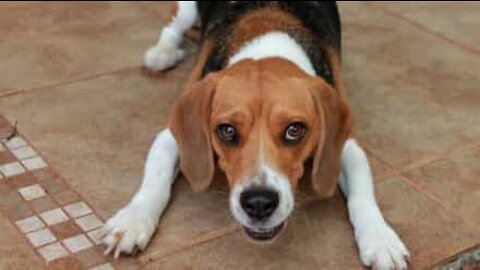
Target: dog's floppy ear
189	123
335	127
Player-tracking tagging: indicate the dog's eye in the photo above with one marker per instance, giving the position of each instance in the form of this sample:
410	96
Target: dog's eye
294	133
227	133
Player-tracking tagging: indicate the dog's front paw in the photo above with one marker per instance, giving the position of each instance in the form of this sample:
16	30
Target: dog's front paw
381	248
159	58
131	227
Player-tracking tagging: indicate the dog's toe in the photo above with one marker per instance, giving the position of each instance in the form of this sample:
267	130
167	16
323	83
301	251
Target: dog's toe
128	229
381	248
161	58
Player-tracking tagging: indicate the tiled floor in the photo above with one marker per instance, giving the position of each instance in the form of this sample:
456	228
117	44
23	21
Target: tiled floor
87	113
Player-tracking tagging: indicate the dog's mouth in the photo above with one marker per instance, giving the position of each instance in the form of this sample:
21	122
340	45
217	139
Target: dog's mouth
263	234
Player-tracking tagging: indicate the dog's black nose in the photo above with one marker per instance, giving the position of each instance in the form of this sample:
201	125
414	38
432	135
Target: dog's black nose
259	204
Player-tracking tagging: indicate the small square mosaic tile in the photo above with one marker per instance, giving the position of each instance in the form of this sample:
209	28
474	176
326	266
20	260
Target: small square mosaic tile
41	237
34	163
59	225
15	142
42	204
22	180
18	211
66	197
77	243
77	209
97	235
53	251
24	152
91	257
32	192
65	229
54	216
12	169
6	157
30	224
88	223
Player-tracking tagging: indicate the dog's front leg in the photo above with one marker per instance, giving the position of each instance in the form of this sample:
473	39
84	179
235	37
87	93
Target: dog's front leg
134	225
379	246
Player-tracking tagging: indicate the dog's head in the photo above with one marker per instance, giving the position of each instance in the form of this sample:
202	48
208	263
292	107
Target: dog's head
262	120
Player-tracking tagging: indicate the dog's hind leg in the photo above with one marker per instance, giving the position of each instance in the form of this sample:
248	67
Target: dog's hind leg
134	225
379	246
167	52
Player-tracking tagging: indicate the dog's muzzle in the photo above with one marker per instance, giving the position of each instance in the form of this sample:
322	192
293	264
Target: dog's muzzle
259	205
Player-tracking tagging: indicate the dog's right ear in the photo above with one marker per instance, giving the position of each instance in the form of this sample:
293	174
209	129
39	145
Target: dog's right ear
189	124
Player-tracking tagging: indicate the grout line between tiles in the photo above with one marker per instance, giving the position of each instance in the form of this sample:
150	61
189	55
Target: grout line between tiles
58	239
13	92
425	29
454	257
196	241
395	171
413	183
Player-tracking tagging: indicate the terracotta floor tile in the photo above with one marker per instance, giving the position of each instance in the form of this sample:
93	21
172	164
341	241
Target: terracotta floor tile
91	257
22	180
190	215
65	229
43	204
66	197
6	157
44	175
431	233
54	186
456	20
318	236
8	196
70	263
5	129
87	39
454	180
20	253
126	263
19	211
391	81
116	137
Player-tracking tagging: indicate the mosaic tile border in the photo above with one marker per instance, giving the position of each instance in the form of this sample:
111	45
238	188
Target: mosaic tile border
57	222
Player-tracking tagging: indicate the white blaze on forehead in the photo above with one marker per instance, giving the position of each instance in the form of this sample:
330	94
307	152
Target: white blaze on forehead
274	44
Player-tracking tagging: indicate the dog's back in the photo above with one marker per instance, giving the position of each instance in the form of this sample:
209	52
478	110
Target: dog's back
318	19
321	17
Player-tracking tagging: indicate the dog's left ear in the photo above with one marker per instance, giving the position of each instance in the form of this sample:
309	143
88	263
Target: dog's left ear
189	124
335	127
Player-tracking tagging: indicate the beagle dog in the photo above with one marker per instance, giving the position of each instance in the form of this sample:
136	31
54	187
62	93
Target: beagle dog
264	98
